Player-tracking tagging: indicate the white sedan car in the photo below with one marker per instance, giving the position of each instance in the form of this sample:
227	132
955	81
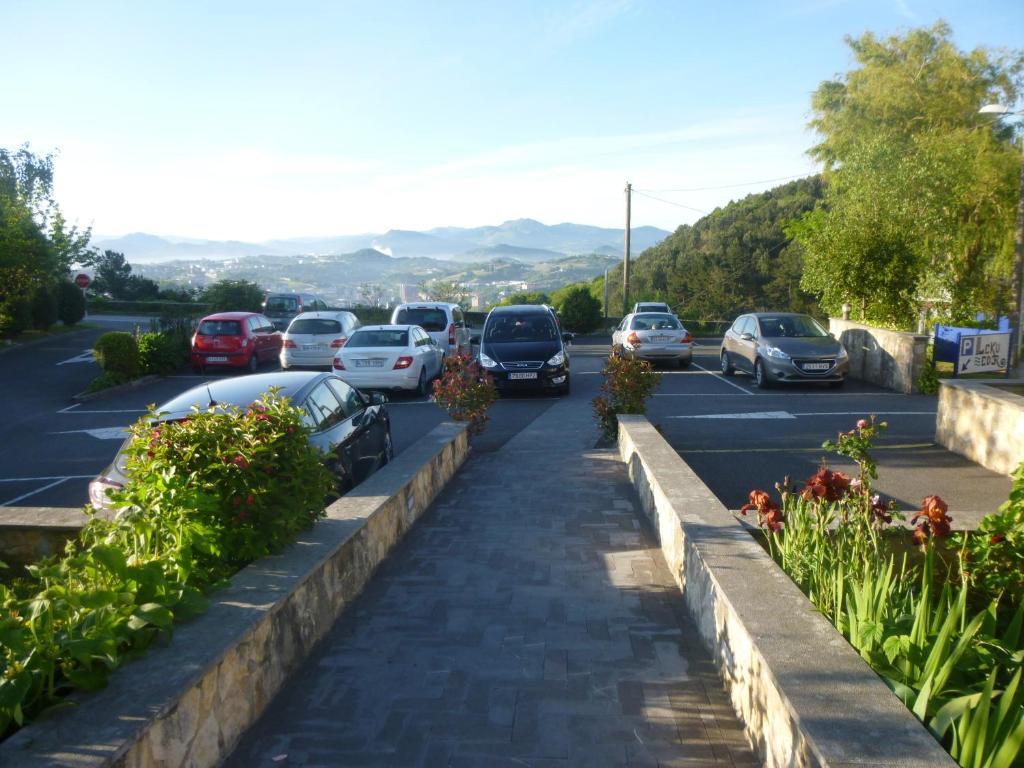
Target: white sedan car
389	357
653	336
313	338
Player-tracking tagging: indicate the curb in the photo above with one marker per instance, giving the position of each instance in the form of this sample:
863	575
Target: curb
84	397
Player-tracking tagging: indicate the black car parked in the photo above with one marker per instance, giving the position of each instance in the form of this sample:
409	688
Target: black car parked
353	431
522	348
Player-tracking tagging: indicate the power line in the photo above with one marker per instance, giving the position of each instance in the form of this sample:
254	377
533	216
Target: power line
733	186
670	202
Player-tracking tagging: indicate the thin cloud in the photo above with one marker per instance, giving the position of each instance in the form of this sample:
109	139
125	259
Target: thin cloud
582	19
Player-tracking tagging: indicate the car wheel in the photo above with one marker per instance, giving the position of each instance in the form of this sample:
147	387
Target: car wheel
566	388
389	448
684	364
197	369
761	376
727	369
421	386
254	363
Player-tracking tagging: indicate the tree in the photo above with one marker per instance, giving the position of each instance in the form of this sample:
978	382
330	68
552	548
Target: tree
525	297
921	189
44	308
450	291
578	309
113	273
70	302
233	296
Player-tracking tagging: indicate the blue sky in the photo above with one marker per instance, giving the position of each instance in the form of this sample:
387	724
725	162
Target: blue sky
252	120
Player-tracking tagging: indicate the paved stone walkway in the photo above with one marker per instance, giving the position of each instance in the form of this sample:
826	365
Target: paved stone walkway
526	620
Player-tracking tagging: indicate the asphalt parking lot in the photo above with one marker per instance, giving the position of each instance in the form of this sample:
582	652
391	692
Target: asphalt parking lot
50	447
738	438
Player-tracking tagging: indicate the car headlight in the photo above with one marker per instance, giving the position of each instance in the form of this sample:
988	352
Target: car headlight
558	358
486	362
776	353
842	353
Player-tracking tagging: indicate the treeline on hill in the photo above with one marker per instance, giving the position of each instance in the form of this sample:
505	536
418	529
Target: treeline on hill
736	259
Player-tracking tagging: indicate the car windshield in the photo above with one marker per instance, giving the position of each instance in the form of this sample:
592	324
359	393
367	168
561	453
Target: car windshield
525	327
314	326
378	338
282	304
790	326
427	318
220	328
655	322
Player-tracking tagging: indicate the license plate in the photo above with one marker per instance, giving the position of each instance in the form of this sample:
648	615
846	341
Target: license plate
661	338
216	359
369	363
530	375
313	347
817	366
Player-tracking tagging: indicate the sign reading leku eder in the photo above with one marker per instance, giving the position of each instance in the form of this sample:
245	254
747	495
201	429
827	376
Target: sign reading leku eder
988	352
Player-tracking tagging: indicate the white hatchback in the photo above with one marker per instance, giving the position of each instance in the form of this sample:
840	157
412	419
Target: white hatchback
389	357
312	338
444	321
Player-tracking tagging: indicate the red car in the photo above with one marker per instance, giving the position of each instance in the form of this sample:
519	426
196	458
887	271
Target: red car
234	339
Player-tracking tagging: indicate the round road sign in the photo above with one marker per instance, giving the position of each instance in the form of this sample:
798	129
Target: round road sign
82	280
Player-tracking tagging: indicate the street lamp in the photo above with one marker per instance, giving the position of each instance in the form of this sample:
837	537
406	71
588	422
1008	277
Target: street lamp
1016	294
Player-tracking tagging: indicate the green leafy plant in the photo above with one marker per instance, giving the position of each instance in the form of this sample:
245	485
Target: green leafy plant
161	353
927	617
118	355
628	382
205	496
466	391
44	308
70	302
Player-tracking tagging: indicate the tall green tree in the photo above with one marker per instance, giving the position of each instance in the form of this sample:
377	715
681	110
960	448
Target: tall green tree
921	189
233	296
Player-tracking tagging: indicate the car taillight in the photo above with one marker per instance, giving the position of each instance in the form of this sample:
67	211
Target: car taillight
403	362
634	339
339	342
338	365
451	335
688	338
194	337
98	491
288	344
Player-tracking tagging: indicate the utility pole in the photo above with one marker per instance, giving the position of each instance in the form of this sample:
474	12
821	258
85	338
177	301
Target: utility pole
625	257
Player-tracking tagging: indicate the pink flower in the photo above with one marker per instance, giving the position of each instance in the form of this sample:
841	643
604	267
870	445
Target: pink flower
862	424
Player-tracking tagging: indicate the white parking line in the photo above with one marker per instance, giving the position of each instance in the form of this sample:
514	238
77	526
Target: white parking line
102	433
73	410
788	415
84	357
50	477
900	447
722	378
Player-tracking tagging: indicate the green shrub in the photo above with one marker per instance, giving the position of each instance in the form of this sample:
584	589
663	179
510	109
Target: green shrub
70	302
628	382
578	309
44	308
161	353
15	316
205	496
118	355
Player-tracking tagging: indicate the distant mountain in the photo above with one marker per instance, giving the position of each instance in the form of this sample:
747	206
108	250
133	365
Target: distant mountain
521	239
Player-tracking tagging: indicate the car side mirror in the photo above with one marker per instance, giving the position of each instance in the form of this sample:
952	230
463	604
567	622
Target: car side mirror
568	337
378	398
747	336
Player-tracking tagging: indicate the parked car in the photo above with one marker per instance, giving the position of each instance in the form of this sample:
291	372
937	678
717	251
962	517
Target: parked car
653	336
522	348
313	338
282	308
444	321
390	357
781	347
351	430
652	306
234	340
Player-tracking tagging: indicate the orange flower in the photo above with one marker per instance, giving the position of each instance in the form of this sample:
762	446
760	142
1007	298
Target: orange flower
932	520
769	514
826	485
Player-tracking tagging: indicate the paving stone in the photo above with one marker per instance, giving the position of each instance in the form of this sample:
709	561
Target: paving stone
528	619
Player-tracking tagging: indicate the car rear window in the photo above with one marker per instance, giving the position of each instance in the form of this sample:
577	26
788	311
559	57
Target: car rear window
427	318
378	339
282	304
220	328
655	322
314	326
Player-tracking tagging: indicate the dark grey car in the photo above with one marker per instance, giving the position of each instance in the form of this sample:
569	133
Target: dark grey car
783	347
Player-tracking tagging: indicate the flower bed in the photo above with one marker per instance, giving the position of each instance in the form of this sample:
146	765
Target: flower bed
938	616
207	495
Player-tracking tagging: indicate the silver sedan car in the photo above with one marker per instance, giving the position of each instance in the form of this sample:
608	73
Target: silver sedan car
783	347
653	336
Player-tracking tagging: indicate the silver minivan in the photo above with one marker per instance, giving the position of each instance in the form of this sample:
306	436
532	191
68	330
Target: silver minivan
442	320
313	338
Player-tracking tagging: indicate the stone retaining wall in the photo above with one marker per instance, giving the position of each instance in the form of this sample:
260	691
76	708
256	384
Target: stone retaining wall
187	703
806	698
983	422
892	359
28	534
